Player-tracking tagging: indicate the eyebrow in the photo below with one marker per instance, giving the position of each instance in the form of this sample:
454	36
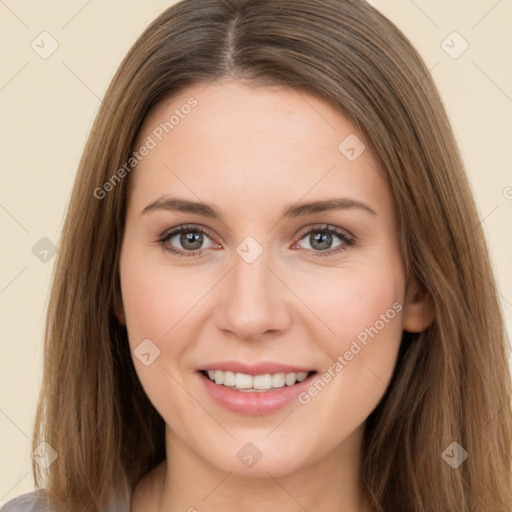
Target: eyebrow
297	210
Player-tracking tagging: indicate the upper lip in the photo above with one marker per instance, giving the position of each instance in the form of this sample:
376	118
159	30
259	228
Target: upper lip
260	368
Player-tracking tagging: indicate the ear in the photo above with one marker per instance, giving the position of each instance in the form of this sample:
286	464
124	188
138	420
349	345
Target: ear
418	309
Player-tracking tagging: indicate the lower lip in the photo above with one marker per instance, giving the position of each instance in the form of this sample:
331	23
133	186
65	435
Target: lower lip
254	403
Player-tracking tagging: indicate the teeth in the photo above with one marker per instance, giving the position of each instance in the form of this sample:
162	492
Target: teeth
278	380
244	382
290	379
229	379
262	381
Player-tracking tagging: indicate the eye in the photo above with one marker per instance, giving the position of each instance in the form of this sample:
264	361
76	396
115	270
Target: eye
189	240
320	240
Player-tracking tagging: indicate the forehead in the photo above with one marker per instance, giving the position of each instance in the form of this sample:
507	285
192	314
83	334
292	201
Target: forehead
231	141
231	110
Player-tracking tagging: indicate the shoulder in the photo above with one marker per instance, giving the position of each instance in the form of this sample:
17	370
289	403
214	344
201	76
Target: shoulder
35	501
38	501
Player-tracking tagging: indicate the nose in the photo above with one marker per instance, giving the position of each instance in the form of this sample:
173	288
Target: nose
254	302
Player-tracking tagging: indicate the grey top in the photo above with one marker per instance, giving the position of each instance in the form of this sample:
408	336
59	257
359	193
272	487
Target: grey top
37	501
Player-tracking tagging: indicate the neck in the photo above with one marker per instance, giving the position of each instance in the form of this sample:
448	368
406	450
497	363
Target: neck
187	482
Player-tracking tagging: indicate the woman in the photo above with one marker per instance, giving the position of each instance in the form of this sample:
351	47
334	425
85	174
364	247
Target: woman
273	289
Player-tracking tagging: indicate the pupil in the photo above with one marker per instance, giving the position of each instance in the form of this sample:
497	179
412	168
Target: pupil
193	237
324	239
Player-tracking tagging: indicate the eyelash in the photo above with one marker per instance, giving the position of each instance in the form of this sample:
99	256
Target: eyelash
347	240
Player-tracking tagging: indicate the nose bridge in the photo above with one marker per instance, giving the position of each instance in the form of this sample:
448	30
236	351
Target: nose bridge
252	304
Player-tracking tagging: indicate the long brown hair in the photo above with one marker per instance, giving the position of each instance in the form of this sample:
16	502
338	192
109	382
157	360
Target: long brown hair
451	382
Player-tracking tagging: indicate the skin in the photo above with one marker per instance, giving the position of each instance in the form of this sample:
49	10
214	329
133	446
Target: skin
251	151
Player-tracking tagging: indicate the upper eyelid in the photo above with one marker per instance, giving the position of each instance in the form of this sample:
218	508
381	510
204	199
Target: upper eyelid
325	227
183	227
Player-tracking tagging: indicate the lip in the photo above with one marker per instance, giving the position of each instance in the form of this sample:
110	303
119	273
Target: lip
256	368
256	403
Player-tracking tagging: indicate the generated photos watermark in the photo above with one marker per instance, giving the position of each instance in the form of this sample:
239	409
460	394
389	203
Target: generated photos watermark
344	359
150	143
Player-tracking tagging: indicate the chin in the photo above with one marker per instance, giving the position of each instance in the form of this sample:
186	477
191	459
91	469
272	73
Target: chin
255	457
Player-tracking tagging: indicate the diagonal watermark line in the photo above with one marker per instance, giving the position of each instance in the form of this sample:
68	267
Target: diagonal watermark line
301	300
214	79
13	423
198	402
475	494
217	486
432	477
13	13
286	491
87	86
505	299
81	80
424	13
76	14
12	280
15	485
197	302
494	285
14	76
13	217
300	94
486	217
492	81
506	404
376	376
486	14
429	72
280	423
479	223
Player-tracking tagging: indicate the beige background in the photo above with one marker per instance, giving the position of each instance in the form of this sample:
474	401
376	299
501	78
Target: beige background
48	106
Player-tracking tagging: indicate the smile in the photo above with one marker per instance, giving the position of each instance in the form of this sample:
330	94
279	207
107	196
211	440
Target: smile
254	383
254	389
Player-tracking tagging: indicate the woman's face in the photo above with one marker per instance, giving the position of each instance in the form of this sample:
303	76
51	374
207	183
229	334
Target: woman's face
286	287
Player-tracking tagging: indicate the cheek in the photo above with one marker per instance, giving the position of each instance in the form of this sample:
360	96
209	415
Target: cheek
362	306
354	298
157	313
366	302
147	315
158	300
370	332
161	305
366	316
